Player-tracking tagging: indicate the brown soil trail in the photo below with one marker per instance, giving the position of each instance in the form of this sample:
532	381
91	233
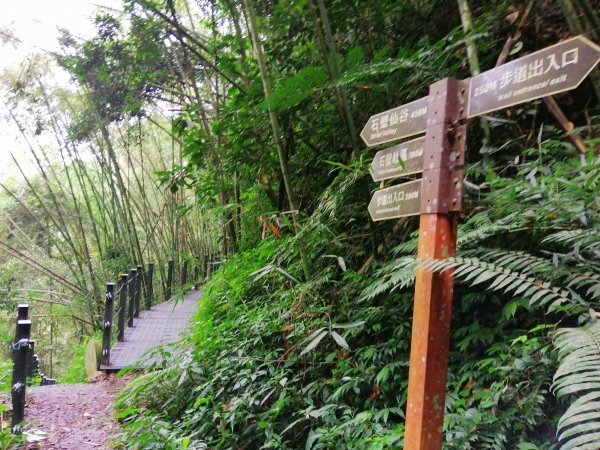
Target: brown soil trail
75	416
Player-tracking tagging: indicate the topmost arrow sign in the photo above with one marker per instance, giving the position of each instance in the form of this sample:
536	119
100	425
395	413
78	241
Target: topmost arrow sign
555	69
403	121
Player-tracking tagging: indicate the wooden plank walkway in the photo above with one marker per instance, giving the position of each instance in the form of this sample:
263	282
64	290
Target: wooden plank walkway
158	325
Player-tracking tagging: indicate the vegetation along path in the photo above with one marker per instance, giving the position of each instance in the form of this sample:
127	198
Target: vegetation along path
80	416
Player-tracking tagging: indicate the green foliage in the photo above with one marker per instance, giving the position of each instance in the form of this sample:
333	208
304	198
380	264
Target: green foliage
578	379
9	441
276	360
75	370
276	363
5	375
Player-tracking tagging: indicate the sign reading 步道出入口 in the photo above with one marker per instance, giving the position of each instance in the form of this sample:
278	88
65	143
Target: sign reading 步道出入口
403	121
397	201
402	159
557	68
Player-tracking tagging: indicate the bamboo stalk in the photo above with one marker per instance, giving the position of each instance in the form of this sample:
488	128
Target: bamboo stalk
277	135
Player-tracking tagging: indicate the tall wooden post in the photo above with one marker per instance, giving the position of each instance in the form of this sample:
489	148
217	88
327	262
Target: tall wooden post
441	197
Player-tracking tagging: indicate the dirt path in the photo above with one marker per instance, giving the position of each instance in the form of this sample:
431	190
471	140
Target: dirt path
75	416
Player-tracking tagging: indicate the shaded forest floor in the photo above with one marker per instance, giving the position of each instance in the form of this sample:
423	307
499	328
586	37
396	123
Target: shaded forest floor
74	416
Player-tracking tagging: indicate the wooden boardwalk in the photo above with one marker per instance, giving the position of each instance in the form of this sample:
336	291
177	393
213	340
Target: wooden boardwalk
158	325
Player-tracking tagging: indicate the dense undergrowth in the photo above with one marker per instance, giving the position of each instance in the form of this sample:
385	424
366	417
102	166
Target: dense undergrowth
273	362
246	118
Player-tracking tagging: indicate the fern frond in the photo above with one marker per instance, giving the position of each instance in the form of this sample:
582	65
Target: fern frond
589	281
579	374
585	240
397	275
407	247
479	234
473	271
519	261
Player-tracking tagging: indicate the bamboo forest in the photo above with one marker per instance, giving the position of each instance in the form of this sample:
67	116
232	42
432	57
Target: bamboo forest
301	224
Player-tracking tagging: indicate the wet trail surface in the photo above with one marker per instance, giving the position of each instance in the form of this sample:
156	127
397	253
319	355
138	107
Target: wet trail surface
75	416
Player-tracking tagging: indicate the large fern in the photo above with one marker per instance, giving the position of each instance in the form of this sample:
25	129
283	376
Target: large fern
579	375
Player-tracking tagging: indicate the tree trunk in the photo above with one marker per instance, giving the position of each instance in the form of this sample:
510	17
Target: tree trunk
472	55
277	134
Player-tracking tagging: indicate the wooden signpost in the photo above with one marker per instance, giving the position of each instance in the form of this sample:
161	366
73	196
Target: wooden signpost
437	196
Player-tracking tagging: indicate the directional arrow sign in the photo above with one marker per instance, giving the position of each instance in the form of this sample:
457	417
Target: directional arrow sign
401	159
397	201
403	121
557	68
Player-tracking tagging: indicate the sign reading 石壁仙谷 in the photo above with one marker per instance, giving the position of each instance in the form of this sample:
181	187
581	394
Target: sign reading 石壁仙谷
397	201
403	121
557	68
402	159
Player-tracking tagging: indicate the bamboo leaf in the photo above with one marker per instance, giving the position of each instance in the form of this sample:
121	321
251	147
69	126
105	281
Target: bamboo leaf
340	340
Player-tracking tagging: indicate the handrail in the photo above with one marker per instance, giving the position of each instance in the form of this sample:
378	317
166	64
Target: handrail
26	365
130	289
129	295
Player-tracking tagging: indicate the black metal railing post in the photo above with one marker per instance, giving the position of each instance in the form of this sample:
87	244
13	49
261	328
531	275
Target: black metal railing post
131	289
122	309
22	311
138	290
196	274
108	317
20	354
22	314
149	285
169	290
184	273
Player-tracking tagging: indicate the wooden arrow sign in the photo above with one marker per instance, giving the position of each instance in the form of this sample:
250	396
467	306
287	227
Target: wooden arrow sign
401	159
403	121
555	69
397	201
